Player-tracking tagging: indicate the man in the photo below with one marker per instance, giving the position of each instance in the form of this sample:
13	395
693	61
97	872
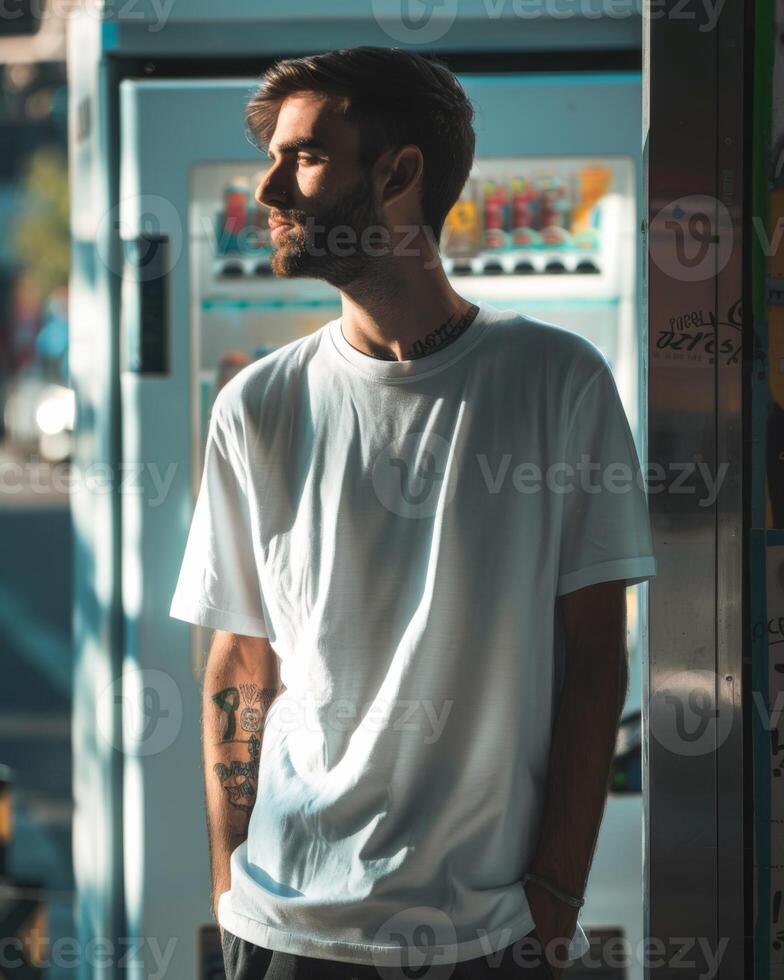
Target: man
414	568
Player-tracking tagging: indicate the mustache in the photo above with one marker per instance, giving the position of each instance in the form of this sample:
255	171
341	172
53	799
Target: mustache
297	217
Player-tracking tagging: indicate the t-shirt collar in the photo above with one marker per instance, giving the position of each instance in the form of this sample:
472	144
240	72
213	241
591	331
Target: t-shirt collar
384	370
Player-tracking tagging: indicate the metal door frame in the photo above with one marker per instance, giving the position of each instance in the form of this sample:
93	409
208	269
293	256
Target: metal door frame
696	121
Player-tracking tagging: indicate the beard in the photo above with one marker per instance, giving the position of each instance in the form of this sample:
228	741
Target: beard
330	245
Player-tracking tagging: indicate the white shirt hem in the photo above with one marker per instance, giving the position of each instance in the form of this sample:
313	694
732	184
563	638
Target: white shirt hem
260	934
201	614
634	570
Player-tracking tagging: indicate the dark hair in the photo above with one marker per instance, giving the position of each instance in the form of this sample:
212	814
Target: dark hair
394	97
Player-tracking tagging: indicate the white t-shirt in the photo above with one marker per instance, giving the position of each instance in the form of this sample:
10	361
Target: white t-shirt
400	531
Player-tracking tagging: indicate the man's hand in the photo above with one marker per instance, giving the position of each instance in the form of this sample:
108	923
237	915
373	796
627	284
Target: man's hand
555	923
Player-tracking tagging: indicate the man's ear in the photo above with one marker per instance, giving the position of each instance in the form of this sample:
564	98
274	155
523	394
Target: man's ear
403	171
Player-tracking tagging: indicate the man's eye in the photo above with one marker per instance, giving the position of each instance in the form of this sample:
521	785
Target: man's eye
307	158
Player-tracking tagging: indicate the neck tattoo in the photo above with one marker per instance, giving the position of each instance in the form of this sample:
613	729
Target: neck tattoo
452	328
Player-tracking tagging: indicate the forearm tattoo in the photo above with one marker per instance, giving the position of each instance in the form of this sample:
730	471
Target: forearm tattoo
247	706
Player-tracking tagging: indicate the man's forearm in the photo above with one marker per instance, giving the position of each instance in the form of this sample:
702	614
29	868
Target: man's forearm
583	742
236	696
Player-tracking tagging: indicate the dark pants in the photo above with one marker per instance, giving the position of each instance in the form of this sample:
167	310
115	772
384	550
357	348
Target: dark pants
522	960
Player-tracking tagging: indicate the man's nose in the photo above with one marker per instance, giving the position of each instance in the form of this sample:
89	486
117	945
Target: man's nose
271	193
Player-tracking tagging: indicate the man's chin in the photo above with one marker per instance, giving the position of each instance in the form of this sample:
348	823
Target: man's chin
292	259
294	263
285	270
289	262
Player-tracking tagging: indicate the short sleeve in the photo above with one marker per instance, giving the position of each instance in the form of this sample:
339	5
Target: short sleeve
605	530
218	585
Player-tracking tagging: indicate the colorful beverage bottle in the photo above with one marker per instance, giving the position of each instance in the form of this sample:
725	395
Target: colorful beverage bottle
462	235
496	215
525	213
234	214
555	210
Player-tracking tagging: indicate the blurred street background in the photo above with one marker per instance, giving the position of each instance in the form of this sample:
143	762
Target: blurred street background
36	417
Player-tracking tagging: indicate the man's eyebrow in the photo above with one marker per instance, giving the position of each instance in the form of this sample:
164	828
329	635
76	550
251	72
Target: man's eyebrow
303	143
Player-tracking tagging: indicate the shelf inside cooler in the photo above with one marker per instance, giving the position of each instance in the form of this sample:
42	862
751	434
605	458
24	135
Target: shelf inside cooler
570	286
525	262
233	268
269	303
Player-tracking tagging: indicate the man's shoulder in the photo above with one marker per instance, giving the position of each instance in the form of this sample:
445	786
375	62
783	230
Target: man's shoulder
542	349
271	372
